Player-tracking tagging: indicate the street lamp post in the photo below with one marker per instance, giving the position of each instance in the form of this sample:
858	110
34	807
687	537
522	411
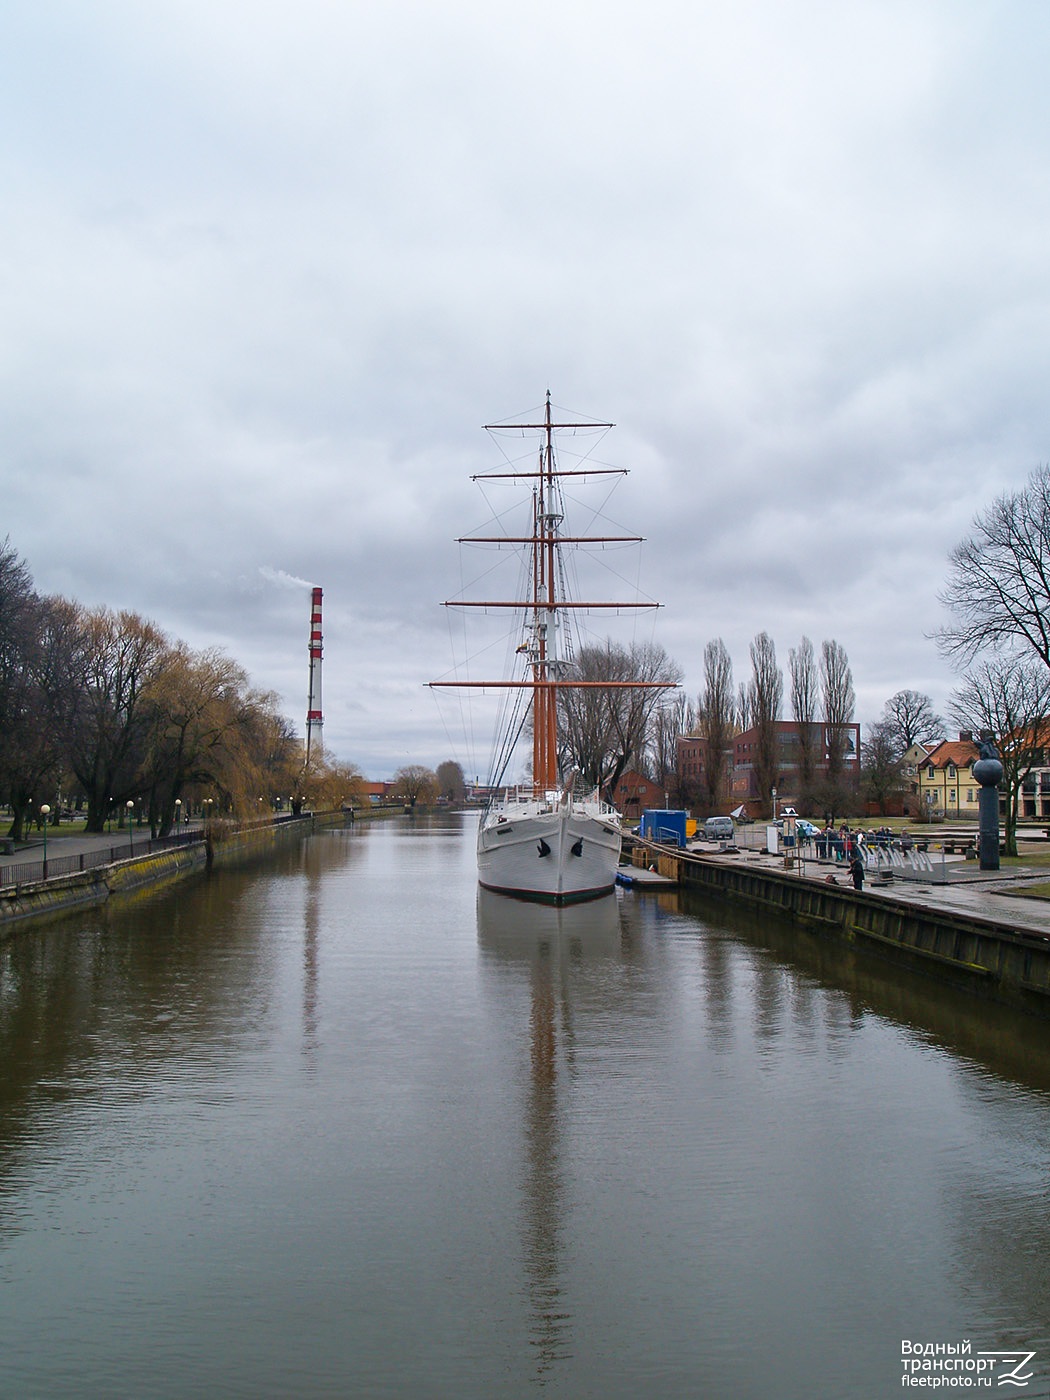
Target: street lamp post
131	825
178	814
45	812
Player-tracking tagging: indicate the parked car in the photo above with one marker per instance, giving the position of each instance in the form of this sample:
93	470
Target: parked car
718	829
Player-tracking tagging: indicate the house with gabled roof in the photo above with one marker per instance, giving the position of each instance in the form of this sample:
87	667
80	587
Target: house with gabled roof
947	787
912	761
635	792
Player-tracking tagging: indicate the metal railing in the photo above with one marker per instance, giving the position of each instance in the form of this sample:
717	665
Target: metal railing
33	871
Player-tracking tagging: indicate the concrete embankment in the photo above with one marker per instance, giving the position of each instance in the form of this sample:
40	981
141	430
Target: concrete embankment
991	957
48	899
220	847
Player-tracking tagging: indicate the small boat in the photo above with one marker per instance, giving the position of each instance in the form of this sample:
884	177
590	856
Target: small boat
546	840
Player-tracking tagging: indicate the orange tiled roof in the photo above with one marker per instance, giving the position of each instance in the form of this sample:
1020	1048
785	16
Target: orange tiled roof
961	752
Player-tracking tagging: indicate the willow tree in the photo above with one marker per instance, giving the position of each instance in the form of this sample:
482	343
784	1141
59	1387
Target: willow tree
209	730
119	658
416	784
601	732
190	716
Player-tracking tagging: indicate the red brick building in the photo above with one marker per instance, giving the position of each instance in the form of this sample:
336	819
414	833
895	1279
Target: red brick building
634	793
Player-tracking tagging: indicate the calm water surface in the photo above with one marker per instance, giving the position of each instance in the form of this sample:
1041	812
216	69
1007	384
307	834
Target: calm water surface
334	1128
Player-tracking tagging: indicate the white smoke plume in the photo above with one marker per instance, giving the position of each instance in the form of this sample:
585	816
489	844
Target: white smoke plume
282	579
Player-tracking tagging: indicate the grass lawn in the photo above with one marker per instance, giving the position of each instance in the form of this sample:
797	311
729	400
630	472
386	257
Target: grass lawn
1032	892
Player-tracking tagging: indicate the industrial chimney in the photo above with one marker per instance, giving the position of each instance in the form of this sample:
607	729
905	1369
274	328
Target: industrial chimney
314	718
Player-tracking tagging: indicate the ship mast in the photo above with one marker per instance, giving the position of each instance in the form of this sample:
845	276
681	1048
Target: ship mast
545	701
546	664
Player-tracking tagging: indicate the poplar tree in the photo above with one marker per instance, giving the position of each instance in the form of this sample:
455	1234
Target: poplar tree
804	696
765	699
716	721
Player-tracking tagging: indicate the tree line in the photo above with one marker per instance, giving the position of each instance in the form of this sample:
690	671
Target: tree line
104	704
998	596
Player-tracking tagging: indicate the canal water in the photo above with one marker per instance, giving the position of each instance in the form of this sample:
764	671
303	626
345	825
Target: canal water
334	1127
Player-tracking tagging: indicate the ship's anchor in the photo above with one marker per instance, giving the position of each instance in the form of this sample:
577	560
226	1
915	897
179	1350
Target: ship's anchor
577	847
543	849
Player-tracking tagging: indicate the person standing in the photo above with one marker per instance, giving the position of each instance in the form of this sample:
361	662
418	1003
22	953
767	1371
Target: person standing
856	868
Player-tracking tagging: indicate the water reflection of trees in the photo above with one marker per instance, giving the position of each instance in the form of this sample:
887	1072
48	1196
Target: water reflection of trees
98	1004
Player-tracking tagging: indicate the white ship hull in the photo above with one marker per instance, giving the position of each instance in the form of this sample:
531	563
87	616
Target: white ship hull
557	851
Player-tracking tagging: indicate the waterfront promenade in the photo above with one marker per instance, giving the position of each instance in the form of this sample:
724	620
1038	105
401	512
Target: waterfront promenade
961	887
26	856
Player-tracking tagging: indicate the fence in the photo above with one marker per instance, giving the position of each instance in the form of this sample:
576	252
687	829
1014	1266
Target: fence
30	871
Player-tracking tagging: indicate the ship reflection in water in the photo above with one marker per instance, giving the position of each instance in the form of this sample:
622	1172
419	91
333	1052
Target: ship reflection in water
550	945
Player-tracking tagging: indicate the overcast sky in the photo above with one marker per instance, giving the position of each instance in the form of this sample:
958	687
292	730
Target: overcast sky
267	268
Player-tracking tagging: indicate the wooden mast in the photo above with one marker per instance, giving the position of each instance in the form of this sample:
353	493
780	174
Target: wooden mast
545	703
544	676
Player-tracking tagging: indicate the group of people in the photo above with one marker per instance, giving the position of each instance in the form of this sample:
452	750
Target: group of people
842	844
851	847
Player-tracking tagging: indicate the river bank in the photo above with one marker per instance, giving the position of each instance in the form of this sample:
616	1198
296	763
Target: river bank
972	935
103	872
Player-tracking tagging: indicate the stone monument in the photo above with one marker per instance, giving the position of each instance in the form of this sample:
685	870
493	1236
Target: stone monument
988	771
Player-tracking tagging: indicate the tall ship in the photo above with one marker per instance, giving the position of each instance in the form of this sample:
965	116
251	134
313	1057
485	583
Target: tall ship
548	839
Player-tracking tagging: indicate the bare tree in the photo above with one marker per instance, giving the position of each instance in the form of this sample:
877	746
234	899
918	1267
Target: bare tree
882	769
669	722
451	783
912	719
765	698
804	698
416	784
37	701
743	706
19	631
839	702
999	582
121	655
1008	697
835	791
601	731
715	720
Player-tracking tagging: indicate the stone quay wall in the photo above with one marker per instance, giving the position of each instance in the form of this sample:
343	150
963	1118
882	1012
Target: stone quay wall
1010	965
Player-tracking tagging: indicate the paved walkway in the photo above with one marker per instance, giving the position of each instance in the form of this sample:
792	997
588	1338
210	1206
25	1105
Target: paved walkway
982	894
125	843
991	895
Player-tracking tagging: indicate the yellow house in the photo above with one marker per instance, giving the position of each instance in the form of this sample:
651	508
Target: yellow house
947	787
911	763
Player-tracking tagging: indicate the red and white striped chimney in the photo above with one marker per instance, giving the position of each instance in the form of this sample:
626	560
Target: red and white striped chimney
314	717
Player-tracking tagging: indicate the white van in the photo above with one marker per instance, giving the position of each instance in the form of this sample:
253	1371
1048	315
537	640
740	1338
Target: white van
718	829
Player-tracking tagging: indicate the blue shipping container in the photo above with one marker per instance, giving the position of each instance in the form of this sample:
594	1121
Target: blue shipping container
665	826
